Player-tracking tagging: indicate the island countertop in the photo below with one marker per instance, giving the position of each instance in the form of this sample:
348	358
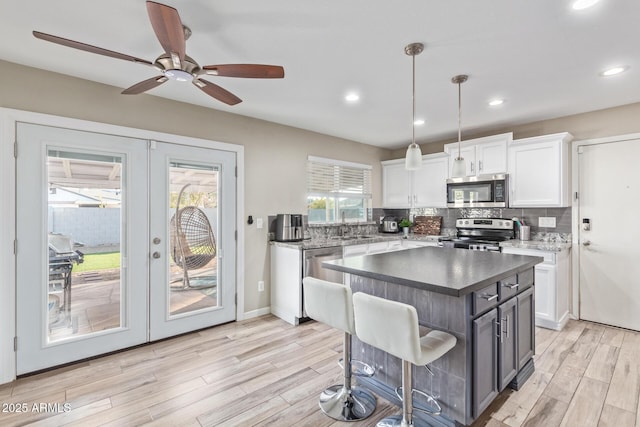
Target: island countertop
448	271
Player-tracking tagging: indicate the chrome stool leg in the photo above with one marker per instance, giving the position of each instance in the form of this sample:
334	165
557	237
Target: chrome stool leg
406	419
345	402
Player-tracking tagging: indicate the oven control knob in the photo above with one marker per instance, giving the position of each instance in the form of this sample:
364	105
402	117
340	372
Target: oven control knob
500	223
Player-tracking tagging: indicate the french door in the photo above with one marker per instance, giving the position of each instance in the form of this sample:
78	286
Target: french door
120	241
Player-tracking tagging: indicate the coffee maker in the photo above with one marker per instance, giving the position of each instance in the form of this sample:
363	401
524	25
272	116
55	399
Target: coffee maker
289	228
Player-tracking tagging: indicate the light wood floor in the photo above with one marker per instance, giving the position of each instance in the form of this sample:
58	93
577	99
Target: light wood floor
263	372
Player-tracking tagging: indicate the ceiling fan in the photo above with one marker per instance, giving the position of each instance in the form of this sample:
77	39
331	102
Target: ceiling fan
175	64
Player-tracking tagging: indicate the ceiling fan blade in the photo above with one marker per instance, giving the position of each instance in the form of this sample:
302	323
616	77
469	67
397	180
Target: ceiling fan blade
145	85
167	25
216	92
256	71
88	48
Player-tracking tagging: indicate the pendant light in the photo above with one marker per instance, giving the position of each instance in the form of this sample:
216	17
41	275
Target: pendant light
459	166
413	159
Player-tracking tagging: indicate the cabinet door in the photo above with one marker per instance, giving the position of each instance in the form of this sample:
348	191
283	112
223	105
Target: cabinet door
379	247
525	328
396	186
485	361
535	174
430	183
354	250
545	293
508	354
491	158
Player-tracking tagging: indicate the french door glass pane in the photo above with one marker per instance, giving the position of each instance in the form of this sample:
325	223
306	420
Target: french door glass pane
193	213
84	219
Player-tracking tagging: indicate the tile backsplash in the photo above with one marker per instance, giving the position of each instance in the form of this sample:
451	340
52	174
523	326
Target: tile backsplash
561	232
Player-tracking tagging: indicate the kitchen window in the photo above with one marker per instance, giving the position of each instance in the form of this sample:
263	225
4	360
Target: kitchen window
337	190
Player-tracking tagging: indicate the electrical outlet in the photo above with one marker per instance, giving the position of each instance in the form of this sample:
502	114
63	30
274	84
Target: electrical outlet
261	286
547	221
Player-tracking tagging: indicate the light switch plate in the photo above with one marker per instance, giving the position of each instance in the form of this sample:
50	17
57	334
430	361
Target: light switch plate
547	221
258	222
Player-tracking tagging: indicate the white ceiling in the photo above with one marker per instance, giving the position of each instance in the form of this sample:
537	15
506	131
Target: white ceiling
541	56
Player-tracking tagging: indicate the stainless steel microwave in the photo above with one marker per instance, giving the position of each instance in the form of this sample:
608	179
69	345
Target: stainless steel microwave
482	191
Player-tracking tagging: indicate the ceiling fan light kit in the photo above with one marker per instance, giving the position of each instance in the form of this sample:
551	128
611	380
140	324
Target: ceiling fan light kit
413	158
175	64
459	168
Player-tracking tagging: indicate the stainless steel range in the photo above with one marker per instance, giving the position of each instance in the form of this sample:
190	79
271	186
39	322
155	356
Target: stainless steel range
480	234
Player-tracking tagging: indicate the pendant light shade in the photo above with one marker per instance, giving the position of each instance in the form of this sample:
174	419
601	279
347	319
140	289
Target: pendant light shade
459	168
413	158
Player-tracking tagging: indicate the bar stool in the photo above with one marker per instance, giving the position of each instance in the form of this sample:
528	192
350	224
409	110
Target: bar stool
332	304
393	327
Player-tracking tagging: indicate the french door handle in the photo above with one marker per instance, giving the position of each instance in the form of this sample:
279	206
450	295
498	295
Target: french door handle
586	243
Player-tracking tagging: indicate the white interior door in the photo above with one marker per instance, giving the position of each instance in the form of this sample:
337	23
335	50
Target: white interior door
609	189
120	241
75	188
193	246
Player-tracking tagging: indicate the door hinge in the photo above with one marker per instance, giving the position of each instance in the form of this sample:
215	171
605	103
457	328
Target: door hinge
575	195
235	235
15	343
15	149
236	171
236	299
15	246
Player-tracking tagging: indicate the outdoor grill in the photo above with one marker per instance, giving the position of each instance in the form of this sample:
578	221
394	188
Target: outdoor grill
61	259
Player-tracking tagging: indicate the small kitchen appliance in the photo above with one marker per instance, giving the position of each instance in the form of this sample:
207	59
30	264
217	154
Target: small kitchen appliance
289	228
480	234
389	224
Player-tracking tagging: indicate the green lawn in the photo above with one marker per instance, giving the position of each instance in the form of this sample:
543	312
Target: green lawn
103	261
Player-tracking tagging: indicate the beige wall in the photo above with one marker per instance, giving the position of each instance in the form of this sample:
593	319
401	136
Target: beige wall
596	124
275	155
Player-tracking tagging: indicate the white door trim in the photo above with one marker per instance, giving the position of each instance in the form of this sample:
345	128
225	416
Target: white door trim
8	119
575	213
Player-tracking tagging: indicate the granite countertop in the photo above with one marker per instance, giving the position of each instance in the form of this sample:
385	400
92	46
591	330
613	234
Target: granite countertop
361	240
539	245
448	271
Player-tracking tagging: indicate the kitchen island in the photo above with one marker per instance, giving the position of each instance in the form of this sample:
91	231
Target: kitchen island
484	299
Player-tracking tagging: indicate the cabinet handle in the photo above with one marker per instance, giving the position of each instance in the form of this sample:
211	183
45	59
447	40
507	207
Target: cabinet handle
488	297
479	165
499	328
409	199
471	166
511	285
506	319
415	199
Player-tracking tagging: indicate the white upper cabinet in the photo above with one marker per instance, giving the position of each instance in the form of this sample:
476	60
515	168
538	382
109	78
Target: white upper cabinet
422	188
483	156
539	171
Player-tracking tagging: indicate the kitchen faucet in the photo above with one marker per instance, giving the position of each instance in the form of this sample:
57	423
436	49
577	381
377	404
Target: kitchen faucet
343	228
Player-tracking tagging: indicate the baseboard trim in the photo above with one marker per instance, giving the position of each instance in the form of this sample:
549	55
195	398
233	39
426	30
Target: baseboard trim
256	313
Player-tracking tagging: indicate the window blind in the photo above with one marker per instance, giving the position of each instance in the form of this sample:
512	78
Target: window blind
326	177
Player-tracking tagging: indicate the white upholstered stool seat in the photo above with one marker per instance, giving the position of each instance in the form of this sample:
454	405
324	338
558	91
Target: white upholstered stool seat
332	304
393	327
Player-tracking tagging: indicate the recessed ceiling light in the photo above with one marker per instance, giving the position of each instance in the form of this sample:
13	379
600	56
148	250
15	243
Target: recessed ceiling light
352	97
583	4
418	122
496	102
613	71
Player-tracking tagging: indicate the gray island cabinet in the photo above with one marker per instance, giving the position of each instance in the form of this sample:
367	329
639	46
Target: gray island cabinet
484	299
